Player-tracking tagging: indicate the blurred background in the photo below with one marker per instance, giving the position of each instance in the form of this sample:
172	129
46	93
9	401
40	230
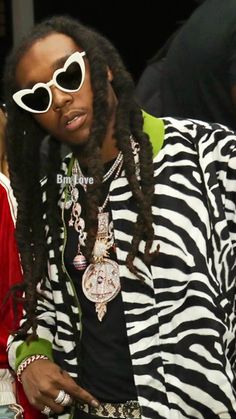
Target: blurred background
137	31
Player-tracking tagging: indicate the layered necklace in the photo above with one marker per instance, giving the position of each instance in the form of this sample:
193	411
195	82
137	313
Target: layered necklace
100	281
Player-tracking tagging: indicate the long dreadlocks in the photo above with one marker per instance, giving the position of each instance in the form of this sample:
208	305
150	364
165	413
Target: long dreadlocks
24	137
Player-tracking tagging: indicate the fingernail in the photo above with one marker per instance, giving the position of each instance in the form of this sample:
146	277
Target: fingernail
94	403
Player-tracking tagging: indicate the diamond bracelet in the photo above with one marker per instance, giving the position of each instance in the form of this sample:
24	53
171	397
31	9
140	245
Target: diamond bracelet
27	362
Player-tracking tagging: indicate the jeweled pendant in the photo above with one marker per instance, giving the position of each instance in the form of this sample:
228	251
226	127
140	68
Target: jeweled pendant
80	262
101	283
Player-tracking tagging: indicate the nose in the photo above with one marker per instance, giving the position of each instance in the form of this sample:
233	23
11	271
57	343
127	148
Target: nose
60	98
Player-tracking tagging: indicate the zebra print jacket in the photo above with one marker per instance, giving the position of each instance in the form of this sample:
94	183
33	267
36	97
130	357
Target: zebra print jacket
181	320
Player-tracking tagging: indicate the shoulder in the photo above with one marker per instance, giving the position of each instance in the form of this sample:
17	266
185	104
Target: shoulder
195	130
180	132
154	125
194	139
6	195
179	123
4	182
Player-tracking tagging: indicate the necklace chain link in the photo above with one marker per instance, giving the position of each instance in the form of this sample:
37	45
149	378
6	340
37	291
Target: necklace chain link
116	166
101	209
109	173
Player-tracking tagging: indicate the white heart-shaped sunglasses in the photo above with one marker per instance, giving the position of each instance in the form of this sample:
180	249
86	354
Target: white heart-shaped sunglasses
69	78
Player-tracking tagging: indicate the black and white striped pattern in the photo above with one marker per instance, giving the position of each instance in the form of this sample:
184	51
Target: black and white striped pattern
181	320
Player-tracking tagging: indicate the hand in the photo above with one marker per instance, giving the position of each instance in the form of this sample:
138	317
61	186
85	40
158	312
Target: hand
43	379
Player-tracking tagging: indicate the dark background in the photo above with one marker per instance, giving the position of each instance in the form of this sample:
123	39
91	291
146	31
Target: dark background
137	31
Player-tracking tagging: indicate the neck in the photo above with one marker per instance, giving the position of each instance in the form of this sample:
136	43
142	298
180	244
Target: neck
109	150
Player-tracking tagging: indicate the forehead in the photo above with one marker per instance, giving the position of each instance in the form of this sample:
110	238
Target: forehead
38	63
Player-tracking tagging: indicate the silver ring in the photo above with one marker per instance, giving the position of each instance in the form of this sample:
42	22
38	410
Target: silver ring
60	397
46	411
66	401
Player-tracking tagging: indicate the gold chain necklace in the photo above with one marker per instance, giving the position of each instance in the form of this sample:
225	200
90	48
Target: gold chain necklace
108	174
100	281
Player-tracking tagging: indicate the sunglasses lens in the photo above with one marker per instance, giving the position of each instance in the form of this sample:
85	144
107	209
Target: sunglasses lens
68	79
71	78
37	100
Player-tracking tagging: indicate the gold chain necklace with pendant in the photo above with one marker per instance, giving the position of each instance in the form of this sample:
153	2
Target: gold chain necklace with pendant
100	281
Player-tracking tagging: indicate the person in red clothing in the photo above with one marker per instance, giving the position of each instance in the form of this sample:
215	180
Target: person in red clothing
12	399
10	274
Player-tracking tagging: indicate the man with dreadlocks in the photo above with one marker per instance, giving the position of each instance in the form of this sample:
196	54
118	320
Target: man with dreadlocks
127	246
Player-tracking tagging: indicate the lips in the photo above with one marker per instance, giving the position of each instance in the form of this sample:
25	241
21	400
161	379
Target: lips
74	120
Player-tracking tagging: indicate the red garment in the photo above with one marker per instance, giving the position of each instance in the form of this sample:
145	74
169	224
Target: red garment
10	274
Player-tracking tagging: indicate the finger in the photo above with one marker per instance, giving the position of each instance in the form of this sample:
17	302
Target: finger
47	397
49	402
84	396
59	398
77	392
40	403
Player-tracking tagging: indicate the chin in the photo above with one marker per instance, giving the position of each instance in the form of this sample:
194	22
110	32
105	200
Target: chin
74	142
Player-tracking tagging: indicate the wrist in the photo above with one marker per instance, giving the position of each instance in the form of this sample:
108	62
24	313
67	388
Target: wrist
24	364
25	350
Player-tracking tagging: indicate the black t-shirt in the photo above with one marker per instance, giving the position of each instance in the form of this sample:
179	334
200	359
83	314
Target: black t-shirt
105	364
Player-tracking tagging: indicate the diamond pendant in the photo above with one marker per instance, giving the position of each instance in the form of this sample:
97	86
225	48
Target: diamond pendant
101	280
101	283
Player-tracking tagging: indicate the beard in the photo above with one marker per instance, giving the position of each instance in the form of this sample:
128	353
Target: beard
78	149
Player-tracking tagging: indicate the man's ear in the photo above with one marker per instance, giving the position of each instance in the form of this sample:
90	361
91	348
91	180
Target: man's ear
109	74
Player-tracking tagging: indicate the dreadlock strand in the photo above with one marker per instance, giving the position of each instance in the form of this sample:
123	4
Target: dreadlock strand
92	151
